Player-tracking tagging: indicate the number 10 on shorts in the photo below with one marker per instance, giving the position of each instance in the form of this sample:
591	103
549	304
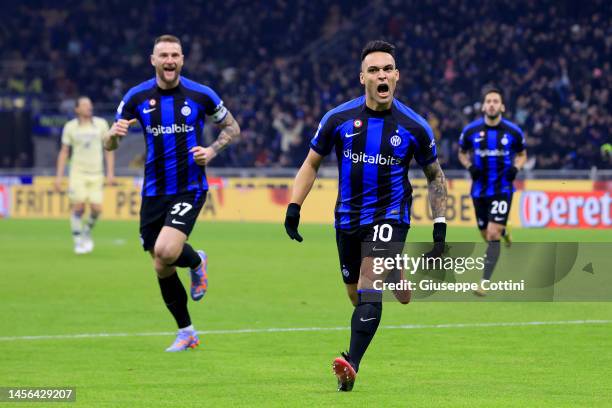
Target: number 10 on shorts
383	233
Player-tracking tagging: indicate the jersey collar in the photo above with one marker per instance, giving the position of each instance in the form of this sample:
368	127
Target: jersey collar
378	114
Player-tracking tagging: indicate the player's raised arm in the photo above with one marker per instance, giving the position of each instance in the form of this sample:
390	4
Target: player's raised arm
436	185
302	184
230	131
116	132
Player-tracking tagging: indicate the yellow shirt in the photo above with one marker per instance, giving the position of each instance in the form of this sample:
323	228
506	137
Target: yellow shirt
86	140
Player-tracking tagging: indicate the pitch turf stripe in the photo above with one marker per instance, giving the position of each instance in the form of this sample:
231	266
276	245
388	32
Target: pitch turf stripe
312	329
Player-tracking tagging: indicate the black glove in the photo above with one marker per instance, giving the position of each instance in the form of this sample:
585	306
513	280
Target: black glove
292	220
439	237
474	172
512	173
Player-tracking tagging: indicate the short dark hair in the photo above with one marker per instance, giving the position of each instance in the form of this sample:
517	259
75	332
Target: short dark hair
492	89
377	45
167	38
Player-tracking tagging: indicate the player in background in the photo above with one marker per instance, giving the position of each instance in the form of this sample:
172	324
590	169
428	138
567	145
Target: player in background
493	150
84	136
172	110
374	137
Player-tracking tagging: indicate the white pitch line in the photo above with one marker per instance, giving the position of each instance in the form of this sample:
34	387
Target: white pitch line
312	329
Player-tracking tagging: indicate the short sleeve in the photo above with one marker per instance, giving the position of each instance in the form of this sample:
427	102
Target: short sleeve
324	138
518	144
127	108
67	134
465	141
213	106
425	152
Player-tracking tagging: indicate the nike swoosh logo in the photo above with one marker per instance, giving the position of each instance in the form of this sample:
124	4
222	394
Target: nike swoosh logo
478	140
367	320
351	135
148	110
497	219
177	222
379	249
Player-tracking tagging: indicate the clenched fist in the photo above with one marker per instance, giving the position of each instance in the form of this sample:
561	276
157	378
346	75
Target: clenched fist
202	155
120	127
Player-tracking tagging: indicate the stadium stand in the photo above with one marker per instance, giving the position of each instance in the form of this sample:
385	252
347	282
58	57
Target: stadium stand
280	65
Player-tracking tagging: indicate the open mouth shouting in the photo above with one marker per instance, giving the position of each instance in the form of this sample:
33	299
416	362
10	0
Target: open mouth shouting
383	91
169	71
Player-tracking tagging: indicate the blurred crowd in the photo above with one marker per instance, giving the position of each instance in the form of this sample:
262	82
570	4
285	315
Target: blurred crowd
280	65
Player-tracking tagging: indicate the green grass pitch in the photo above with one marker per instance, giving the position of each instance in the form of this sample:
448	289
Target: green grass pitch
259	279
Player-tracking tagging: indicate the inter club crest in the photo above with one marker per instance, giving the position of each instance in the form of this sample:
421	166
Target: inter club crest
396	140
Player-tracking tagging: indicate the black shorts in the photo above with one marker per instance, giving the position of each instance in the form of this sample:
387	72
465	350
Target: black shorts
492	209
178	211
385	238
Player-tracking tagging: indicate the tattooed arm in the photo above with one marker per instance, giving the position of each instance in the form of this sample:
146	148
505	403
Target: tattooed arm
230	130
436	184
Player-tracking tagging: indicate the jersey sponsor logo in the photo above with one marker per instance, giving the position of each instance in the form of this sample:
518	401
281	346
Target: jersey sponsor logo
168	130
148	110
395	141
554	209
491	152
378	159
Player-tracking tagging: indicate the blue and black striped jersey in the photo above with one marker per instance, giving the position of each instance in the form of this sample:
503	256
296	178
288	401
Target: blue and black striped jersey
374	150
493	150
172	120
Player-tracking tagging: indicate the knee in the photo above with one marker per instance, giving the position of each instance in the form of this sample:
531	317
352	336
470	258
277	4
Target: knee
493	235
78	209
96	209
165	254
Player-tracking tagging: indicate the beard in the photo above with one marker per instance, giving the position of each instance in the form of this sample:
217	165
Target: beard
494	116
163	75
